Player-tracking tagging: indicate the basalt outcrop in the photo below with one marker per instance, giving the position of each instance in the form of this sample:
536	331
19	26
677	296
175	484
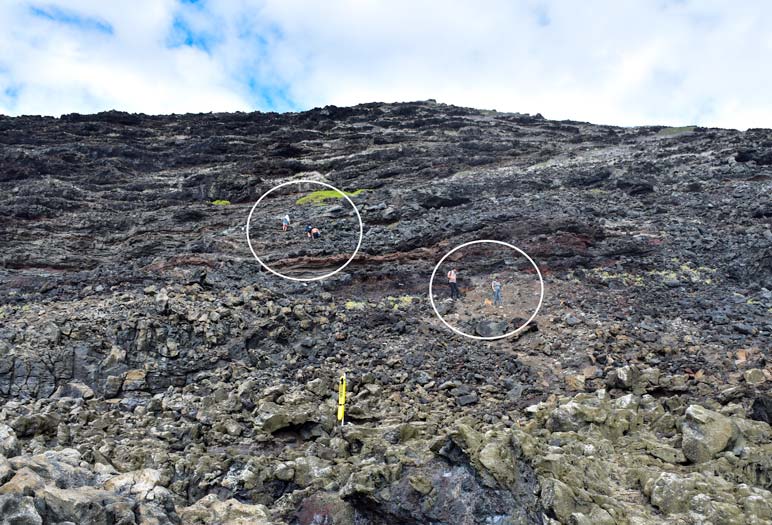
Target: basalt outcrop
152	372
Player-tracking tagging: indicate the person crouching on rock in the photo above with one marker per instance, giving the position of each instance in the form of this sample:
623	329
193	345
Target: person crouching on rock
452	281
496	287
285	222
313	232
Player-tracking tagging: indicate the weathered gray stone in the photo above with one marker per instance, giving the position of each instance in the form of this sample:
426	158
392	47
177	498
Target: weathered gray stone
754	377
138	484
272	417
35	424
209	510
75	390
310	469
16	509
9	444
6	470
705	433
672	493
490	328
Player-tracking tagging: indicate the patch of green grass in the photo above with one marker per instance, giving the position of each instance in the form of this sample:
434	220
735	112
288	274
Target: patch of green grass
318	197
686	272
355	305
667	275
627	278
221	202
400	302
668	132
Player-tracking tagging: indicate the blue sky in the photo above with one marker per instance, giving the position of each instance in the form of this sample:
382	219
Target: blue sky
626	62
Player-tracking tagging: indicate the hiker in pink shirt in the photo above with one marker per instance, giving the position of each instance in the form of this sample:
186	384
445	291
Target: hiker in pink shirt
452	277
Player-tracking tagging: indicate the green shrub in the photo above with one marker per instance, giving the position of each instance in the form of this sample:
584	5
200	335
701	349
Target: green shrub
221	202
318	197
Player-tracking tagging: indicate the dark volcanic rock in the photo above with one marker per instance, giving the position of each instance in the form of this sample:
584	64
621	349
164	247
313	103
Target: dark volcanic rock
151	371
490	328
761	409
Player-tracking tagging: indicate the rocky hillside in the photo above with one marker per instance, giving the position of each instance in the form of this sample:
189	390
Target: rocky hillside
151	373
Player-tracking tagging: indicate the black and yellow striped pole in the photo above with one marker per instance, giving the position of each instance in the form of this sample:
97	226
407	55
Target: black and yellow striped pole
342	398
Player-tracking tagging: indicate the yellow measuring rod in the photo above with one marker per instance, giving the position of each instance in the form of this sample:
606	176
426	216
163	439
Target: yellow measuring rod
342	397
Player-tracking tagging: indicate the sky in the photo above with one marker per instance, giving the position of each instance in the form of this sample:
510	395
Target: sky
624	62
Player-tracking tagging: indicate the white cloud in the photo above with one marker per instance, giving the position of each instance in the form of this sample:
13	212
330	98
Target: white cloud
60	67
607	61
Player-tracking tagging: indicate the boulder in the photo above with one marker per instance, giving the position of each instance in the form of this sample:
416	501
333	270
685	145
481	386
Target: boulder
6	470
211	511
490	328
311	469
325	507
319	387
138	484
705	434
25	480
16	509
135	380
61	467
79	505
9	445
704	498
75	390
624	377
467	399
671	493
284	471
559	497
597	516
761	409
35	424
272	417
577	413
754	377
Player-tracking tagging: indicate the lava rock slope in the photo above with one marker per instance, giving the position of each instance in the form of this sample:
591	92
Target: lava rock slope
152	373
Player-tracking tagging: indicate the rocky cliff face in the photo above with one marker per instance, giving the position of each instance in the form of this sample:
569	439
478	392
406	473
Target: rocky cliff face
150	372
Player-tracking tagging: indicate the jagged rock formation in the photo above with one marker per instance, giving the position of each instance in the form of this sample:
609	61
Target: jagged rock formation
150	372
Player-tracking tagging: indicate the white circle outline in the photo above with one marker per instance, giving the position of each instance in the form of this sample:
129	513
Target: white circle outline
492	338
264	195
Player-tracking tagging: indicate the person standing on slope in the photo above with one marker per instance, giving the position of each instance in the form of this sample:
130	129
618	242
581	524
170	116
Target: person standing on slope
452	281
496	287
285	222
